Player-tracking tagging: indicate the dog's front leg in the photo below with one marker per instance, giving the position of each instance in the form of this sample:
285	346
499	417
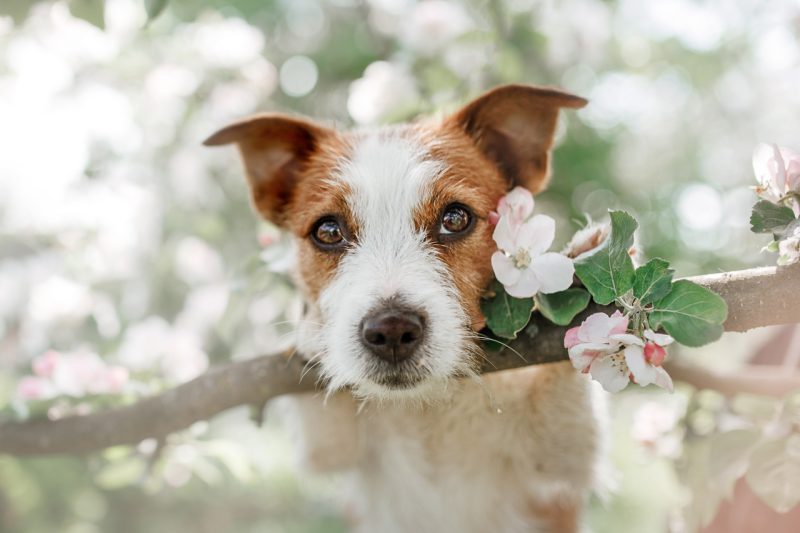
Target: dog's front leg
325	431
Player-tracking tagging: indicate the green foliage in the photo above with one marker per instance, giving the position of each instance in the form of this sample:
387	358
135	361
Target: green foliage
506	315
652	281
770	218
608	271
561	307
692	314
154	8
92	11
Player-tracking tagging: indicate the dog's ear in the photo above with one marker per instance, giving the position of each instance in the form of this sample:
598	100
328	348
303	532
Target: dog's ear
275	149
514	125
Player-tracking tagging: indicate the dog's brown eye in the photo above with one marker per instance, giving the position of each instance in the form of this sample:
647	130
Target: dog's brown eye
328	233
455	219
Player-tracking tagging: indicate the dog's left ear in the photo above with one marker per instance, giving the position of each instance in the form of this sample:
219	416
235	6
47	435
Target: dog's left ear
514	126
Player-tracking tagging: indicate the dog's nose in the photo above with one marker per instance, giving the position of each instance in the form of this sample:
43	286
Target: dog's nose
392	335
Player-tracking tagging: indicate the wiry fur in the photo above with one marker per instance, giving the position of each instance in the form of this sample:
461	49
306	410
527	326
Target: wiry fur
449	451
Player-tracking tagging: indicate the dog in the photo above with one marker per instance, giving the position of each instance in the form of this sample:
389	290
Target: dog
393	247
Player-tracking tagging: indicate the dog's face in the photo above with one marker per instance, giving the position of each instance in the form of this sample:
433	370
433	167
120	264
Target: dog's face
392	231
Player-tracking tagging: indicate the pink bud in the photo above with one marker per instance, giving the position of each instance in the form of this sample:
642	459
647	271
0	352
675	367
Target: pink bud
494	218
654	354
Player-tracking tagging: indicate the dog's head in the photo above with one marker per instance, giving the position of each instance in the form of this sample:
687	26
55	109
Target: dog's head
393	239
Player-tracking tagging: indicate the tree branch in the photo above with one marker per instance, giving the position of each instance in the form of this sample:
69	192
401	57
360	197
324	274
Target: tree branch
757	297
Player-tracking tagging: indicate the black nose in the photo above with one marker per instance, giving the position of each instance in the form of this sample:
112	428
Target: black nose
392	335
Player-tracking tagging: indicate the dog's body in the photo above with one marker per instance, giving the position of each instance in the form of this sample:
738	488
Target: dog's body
518	452
394	246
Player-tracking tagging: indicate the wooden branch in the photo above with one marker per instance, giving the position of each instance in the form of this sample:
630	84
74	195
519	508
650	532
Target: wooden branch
757	297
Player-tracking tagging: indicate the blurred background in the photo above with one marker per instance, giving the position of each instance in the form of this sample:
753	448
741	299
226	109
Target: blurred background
129	251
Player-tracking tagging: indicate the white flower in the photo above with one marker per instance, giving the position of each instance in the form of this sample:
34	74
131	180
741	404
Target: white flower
777	170
384	88
523	265
433	24
601	347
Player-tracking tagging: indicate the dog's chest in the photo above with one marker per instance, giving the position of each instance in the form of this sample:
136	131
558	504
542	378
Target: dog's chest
484	459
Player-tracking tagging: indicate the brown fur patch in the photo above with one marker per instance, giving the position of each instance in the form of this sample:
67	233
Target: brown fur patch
316	196
470	179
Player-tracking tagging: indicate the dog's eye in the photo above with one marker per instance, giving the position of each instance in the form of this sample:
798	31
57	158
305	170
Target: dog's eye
327	233
455	219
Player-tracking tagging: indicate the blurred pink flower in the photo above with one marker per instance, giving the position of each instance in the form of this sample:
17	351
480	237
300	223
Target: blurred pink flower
73	374
34	388
777	170
601	347
523	265
45	364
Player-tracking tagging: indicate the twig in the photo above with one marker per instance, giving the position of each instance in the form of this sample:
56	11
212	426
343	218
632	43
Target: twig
757	297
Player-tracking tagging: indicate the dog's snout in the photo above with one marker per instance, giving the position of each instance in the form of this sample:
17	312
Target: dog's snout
392	335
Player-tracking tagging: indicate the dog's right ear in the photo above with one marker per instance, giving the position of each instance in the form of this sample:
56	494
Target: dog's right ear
275	149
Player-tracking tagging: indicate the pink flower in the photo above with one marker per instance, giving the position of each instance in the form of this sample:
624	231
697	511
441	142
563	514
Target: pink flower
45	364
523	265
35	388
516	206
601	347
777	170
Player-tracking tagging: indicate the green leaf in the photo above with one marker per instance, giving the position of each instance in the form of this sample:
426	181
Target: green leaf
653	280
692	314
608	272
154	8
770	218
561	307
92	11
17	9
506	315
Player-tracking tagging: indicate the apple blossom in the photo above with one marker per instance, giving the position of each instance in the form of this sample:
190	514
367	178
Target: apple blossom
523	265
601	347
778	172
789	249
517	205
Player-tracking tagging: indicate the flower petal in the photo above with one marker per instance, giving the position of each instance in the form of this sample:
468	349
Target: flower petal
643	373
571	337
554	271
505	235
526	286
613	377
537	234
627	338
504	269
596	327
620	323
594	348
663	379
658	338
517	204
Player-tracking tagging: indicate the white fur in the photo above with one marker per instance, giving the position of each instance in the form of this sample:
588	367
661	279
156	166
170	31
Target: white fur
470	455
475	461
388	176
